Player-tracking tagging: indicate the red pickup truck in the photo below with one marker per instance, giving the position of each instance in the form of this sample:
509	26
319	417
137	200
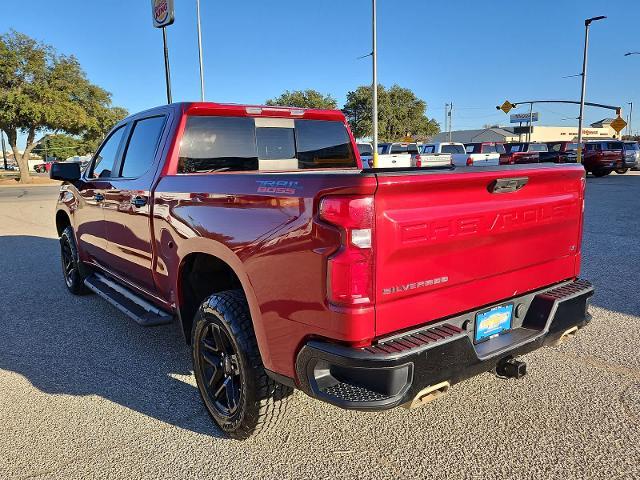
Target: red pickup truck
288	265
522	152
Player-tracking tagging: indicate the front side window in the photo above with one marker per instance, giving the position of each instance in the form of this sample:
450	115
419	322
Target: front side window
106	158
217	144
322	144
141	150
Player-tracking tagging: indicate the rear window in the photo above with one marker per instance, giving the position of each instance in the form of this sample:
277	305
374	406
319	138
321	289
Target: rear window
212	144
218	143
613	146
428	149
537	147
322	144
472	148
399	148
365	149
514	148
452	149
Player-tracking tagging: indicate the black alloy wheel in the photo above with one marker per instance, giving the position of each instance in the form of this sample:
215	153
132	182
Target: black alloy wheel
218	362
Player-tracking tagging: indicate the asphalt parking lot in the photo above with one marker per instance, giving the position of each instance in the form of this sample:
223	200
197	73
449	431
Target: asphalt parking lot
85	392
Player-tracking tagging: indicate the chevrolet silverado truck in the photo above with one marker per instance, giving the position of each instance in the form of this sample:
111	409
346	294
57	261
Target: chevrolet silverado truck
286	264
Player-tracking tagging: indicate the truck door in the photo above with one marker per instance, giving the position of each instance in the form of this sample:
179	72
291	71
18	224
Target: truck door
127	204
89	217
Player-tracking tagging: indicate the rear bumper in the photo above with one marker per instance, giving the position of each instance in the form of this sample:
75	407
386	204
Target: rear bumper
394	370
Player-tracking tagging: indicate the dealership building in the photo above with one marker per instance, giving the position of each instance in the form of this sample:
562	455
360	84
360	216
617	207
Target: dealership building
597	130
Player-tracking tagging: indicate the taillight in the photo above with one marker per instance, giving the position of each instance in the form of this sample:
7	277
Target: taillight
418	161
469	162
350	269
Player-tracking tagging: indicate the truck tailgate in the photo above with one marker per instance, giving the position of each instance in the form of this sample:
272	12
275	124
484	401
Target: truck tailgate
445	243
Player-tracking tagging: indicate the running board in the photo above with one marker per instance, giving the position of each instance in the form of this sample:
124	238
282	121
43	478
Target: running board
142	312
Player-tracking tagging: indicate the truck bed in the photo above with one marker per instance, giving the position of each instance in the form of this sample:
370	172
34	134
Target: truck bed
446	244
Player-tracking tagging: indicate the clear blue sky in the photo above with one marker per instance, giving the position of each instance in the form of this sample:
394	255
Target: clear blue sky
474	53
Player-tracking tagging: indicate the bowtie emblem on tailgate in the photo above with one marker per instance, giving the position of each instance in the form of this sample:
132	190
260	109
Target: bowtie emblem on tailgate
507	185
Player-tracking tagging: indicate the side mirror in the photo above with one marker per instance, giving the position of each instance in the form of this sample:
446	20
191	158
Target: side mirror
65	171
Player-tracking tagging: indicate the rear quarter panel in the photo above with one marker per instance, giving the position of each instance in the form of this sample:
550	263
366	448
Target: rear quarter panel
273	242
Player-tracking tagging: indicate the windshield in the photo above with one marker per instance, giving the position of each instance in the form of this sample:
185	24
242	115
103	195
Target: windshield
631	146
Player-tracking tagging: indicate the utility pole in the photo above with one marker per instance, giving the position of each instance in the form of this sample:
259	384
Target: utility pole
167	69
200	51
450	119
4	150
530	122
374	57
587	23
629	131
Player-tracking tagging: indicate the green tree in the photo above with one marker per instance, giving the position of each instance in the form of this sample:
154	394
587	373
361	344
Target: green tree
43	91
304	99
400	113
62	146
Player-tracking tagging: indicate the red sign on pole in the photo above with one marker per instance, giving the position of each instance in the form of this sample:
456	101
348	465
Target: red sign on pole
162	12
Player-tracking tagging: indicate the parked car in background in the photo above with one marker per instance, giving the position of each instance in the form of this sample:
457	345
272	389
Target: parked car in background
631	153
481	154
365	150
522	152
601	157
43	167
560	152
459	156
396	155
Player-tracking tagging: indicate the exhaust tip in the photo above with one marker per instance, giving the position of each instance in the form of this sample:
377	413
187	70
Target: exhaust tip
428	394
566	335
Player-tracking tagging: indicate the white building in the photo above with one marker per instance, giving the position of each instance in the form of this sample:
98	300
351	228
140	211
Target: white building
601	129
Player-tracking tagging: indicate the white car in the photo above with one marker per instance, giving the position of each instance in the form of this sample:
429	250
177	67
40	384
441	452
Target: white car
459	155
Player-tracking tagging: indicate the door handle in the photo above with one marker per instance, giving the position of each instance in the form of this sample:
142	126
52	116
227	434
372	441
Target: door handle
98	197
138	201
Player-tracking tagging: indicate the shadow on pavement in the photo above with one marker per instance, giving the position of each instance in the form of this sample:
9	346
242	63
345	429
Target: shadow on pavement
71	345
611	241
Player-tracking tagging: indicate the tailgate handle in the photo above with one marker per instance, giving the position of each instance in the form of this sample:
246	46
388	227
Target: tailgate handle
507	185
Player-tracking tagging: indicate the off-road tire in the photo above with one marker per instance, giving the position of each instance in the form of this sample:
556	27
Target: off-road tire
262	401
72	269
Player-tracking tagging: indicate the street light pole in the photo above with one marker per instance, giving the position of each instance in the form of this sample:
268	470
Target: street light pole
587	23
374	56
200	51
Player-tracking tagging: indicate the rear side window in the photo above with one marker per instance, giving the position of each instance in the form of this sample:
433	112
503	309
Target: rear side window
322	144
107	156
218	143
142	147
